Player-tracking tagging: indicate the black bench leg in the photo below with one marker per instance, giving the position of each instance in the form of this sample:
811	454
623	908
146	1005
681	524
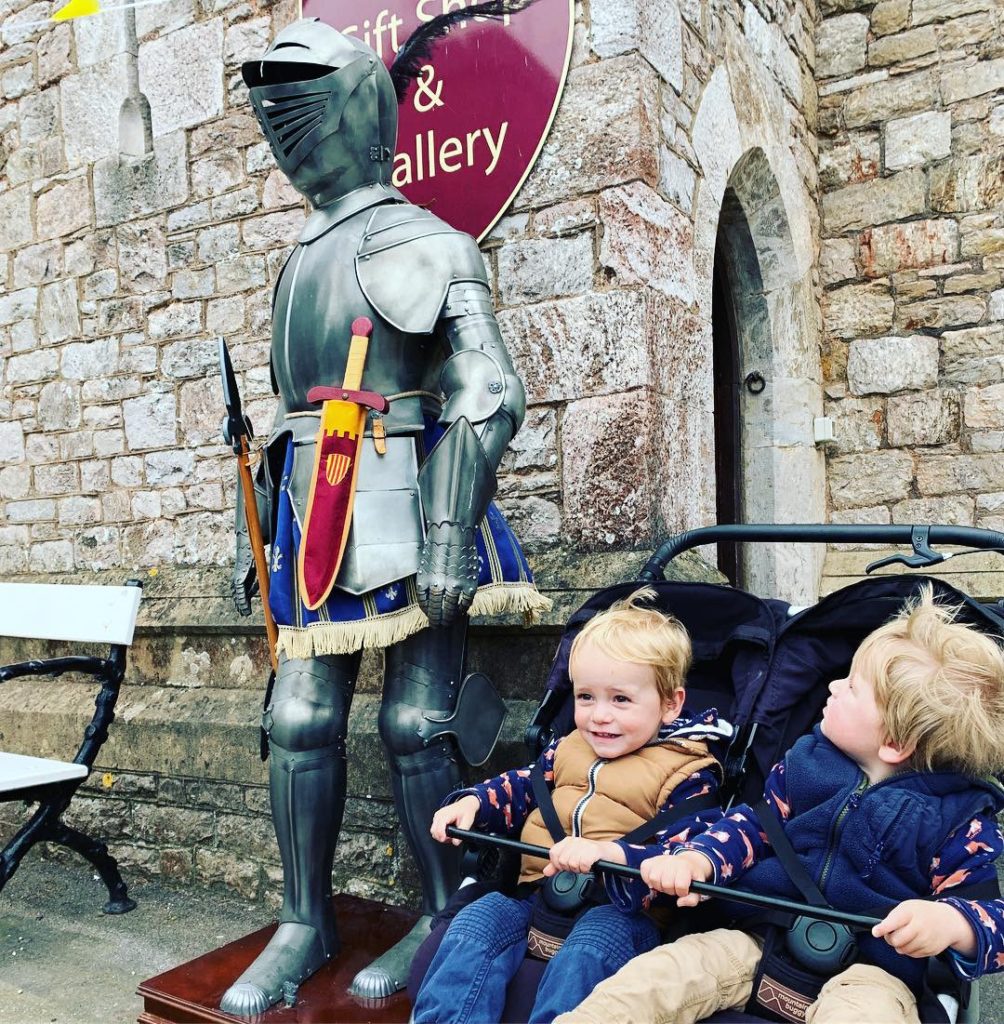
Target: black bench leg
97	853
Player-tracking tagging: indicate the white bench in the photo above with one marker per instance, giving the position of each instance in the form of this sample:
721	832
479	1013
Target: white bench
73	614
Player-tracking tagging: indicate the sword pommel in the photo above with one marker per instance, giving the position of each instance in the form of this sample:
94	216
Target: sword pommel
362	327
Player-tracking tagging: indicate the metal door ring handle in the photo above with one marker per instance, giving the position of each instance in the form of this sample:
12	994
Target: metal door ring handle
754	382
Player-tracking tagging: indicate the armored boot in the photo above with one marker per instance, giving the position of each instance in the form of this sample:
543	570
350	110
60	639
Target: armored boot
307	788
420	782
420	687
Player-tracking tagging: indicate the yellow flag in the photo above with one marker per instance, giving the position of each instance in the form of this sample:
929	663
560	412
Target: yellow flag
77	9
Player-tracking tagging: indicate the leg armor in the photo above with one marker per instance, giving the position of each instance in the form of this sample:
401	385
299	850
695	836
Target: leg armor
423	674
306	724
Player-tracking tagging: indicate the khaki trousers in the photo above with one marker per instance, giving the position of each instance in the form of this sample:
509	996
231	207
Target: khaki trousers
693	977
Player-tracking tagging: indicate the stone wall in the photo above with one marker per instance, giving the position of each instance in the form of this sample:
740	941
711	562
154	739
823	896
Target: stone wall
129	243
911	120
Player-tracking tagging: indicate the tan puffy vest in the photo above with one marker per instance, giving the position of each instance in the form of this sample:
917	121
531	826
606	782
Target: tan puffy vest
625	792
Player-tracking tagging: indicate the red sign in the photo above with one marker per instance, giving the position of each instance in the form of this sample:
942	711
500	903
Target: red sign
473	123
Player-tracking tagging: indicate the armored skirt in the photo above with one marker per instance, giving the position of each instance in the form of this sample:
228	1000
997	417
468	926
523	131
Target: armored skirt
388	613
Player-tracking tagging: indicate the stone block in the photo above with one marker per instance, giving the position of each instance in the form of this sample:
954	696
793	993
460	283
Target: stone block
59	406
837	260
199	412
246	40
646	241
858	424
63	209
928	417
18	305
89	360
218	243
225	316
277	192
236	203
619	26
57	478
587	345
956	510
240	274
982	408
38	116
38	264
533	269
857	480
235	131
58	312
97	548
902	47
968	183
33	511
78	511
919	243
841	44
887	365
177	320
272	230
31	367
91	126
605	133
875	202
927	11
894	97
15	218
150	421
142	257
11	444
849	159
217	173
858	309
919	139
948	311
125	189
54	54
952	474
192	55
150	543
50	556
890	16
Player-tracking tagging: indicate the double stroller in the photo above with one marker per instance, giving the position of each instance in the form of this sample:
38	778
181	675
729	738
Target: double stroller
765	665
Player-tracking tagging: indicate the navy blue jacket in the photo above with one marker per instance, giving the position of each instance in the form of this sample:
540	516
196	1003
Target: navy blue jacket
867	847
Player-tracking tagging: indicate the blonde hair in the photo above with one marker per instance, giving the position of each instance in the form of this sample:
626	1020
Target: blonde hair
632	630
939	684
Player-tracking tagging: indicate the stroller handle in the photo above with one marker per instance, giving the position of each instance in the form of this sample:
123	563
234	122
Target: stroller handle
824	533
856	922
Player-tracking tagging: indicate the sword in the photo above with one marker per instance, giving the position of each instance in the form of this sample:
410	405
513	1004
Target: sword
238	434
336	466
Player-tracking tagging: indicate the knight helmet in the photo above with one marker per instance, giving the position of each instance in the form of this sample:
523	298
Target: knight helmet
327	106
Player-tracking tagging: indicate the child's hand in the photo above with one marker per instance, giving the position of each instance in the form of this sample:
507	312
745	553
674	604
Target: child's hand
574	853
461	813
673	873
926	928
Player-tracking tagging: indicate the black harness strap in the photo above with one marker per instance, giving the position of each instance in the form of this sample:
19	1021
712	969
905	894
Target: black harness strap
786	854
545	804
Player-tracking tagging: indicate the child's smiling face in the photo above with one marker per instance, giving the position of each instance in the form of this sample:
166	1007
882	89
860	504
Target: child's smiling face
618	707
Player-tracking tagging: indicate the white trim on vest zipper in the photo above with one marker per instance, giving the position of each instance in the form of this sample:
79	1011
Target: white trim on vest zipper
580	807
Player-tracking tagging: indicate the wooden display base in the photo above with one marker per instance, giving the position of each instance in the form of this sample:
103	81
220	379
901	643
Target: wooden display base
191	993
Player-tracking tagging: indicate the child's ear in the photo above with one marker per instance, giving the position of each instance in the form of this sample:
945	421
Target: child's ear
672	706
892	752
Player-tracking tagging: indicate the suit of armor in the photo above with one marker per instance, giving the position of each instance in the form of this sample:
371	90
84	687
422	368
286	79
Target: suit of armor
327	106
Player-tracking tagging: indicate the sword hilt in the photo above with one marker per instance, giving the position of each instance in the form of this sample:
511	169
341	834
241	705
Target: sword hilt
370	399
362	328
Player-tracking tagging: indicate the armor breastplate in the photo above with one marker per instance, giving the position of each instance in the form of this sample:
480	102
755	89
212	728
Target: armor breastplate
317	298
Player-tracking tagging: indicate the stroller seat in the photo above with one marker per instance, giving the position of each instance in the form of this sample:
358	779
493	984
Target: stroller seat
766	667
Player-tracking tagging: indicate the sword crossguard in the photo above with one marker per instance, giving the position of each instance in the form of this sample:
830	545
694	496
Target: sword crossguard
369	399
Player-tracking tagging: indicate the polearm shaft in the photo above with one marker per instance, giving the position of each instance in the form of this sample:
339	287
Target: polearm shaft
257	545
238	432
859	922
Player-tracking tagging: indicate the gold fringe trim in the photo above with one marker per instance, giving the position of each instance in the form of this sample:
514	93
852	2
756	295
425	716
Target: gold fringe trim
502	598
322	638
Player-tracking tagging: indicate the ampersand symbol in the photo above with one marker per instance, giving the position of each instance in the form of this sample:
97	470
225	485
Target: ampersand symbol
425	90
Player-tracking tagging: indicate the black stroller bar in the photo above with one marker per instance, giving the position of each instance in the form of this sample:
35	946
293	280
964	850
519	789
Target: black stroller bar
857	922
920	537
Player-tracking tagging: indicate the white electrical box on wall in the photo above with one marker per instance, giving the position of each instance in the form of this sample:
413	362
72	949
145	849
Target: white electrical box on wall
822	429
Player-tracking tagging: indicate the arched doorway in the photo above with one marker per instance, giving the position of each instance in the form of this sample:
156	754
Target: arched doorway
766	384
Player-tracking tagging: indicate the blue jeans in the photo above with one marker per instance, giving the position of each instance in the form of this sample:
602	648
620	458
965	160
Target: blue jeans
484	946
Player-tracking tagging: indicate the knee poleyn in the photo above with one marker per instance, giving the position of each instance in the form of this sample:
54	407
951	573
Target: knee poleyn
298	724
